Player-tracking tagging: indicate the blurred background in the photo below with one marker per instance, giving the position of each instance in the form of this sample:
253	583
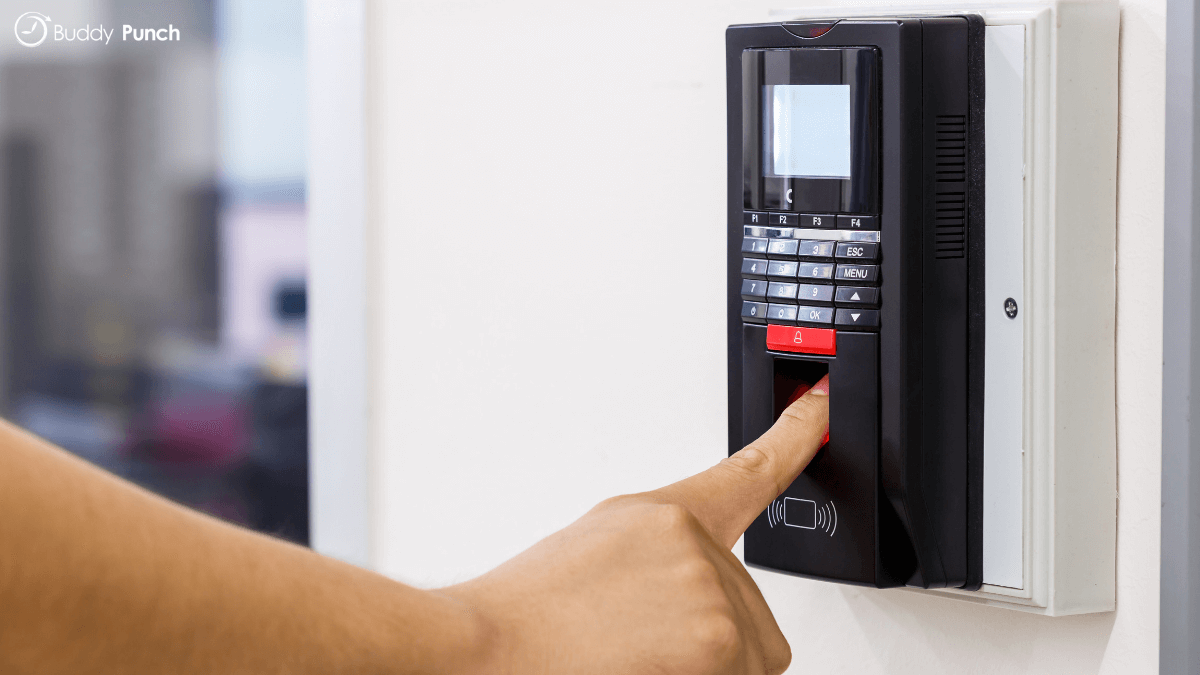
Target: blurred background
152	249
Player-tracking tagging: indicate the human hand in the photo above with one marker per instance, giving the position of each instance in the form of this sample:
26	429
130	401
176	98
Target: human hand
646	583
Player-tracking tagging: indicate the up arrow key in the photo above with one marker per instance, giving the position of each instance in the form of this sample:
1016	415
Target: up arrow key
855	296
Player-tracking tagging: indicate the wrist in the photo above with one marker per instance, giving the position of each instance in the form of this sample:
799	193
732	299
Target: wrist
482	646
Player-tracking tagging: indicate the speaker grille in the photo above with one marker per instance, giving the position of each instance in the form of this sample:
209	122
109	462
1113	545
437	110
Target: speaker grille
950	184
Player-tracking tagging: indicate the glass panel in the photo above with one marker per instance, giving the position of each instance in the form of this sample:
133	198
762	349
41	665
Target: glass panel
152	247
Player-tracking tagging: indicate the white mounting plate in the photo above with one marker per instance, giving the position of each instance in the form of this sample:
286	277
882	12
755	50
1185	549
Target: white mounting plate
1050	462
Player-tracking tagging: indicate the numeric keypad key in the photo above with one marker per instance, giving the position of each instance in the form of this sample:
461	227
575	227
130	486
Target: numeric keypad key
815	271
754	311
785	248
781	291
754	245
814	293
754	267
816	249
754	289
782	268
781	312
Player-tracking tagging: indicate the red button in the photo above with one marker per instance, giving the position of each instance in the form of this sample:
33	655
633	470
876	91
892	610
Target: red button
803	340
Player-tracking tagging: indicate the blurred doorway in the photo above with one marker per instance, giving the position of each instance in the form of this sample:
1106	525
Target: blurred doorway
153	266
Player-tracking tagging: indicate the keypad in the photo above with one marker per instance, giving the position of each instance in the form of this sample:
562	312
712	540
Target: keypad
817	269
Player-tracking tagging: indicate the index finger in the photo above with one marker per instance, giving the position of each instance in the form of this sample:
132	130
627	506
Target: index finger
729	496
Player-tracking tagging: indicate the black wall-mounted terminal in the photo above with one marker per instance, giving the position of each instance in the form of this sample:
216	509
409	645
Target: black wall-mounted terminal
856	248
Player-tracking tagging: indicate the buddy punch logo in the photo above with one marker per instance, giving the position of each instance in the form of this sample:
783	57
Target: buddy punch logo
33	28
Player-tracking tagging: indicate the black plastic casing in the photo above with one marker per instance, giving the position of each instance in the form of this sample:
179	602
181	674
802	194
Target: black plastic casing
903	466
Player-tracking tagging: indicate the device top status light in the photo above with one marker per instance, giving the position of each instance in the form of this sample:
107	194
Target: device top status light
807	29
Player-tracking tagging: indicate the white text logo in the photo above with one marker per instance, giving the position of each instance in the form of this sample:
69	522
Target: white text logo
32	29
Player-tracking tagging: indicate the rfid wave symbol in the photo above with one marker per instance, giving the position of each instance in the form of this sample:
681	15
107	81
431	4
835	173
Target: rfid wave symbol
775	513
803	514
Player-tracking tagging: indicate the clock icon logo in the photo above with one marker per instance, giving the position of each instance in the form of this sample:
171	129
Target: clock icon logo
32	28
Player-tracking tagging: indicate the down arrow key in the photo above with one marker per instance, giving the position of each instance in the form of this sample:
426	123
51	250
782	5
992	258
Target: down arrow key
857	318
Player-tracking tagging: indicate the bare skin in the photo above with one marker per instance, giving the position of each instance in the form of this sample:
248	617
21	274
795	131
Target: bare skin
98	576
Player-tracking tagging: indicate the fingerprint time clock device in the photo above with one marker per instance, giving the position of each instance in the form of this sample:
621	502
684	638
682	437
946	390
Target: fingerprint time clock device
856	249
922	205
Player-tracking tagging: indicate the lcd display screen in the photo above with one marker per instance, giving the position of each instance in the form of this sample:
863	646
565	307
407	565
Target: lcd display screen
806	130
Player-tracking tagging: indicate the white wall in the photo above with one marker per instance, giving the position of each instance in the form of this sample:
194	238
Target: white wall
547	200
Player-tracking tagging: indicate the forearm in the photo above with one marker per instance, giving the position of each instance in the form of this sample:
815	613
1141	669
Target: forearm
99	576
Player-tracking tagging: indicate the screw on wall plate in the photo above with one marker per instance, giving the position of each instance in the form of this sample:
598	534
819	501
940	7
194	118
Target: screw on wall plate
1010	308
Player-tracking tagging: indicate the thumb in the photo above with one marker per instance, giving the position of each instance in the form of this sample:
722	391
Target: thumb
729	496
